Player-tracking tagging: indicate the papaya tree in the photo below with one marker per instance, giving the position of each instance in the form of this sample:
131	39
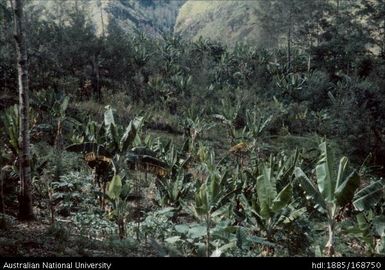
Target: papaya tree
333	190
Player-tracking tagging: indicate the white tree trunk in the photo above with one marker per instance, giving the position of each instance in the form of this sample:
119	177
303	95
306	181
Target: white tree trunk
25	196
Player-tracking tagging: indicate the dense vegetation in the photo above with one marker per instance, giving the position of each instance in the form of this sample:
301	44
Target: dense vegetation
194	148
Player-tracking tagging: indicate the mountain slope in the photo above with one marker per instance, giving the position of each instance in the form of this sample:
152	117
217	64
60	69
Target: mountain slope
149	16
224	21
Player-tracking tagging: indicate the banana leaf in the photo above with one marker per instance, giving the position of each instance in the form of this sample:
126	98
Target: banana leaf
310	189
282	199
345	192
89	147
115	187
325	172
369	196
128	137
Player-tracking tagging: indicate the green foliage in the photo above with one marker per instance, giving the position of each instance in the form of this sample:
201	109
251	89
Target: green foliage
67	193
144	107
370	229
92	225
335	188
59	232
173	190
369	196
10	122
270	207
115	187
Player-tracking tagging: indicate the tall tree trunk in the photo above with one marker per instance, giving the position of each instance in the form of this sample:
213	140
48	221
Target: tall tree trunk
25	196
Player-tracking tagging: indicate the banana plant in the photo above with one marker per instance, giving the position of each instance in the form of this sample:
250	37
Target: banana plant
370	225
228	117
270	204
174	189
370	229
108	139
145	160
211	198
366	198
10	123
175	184
255	123
119	212
106	143
52	108
195	127
334	189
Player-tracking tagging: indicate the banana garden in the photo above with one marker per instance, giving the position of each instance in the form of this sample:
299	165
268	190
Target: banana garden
143	146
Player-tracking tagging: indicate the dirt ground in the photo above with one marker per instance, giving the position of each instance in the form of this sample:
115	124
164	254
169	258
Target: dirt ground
37	239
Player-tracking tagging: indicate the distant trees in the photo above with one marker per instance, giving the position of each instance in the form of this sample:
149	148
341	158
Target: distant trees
320	44
373	13
7	55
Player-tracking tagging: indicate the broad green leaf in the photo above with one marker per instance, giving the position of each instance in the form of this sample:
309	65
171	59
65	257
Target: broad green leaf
110	127
294	214
345	191
214	188
241	237
317	251
137	122
64	105
201	201
113	134
263	196
310	189
168	211
172	239
197	231
270	181
286	171
282	199
379	225
326	179
182	228
249	209
362	222
115	187
266	190
128	137
369	196
220	212
260	240
341	171
108	116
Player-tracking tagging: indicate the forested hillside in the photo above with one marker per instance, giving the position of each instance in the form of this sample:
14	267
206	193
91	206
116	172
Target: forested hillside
153	17
256	129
